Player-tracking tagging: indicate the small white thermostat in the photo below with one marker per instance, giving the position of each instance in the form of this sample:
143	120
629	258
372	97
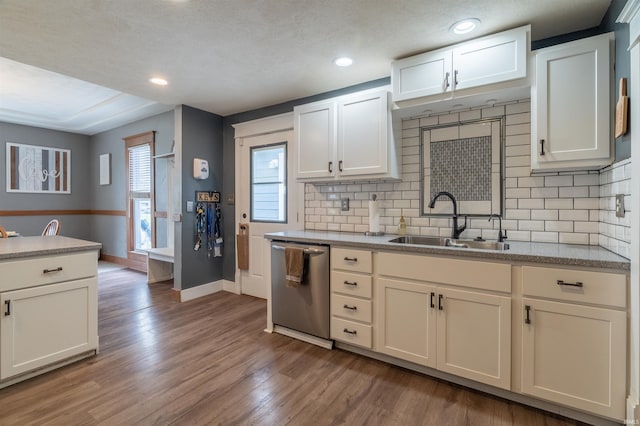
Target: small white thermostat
200	169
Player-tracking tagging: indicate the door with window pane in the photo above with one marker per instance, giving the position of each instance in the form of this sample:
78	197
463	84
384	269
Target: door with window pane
269	200
140	195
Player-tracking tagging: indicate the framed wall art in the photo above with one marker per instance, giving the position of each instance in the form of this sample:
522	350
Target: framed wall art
38	169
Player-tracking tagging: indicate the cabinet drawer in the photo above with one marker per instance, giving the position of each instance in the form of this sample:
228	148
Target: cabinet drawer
600	288
35	271
467	273
351	284
351	260
350	307
351	332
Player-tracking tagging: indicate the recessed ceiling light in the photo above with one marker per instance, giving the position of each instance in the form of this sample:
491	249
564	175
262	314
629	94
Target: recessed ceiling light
465	26
343	61
159	81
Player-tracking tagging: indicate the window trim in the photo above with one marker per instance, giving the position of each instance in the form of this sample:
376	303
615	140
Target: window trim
146	138
285	145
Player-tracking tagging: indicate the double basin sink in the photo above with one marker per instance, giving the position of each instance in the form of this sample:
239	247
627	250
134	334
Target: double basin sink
450	242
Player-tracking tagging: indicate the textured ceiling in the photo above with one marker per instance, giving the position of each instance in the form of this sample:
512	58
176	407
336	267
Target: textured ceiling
229	56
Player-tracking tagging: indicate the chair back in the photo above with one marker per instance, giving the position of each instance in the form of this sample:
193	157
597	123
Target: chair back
3	232
52	228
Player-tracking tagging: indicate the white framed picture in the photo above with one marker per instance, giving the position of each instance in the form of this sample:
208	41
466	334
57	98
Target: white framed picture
38	169
105	169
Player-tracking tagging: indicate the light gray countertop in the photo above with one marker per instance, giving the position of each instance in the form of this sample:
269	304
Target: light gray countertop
17	247
519	252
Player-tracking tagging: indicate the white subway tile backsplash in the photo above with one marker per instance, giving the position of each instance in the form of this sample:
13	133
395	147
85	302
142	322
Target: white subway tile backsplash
544	214
567	207
544	237
558	181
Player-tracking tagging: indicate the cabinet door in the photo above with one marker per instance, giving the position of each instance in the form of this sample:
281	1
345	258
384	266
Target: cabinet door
315	129
47	324
575	355
406	321
474	336
362	134
572	105
421	75
490	60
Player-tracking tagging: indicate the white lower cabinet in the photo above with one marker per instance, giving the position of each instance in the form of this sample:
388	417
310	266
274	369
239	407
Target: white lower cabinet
459	331
47	324
574	353
474	336
351	305
407	324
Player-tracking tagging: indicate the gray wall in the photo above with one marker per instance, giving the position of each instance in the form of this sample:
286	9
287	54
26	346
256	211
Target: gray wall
111	231
622	66
201	138
77	226
229	169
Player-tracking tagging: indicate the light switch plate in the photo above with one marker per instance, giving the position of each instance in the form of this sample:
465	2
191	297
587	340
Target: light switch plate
344	204
619	205
189	206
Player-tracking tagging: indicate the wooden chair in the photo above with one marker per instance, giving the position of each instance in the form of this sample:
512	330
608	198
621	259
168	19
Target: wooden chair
3	232
52	228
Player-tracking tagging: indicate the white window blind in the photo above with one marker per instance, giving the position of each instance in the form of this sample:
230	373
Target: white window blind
140	168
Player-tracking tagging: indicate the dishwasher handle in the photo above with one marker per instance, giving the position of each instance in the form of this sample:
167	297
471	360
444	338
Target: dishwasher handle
305	251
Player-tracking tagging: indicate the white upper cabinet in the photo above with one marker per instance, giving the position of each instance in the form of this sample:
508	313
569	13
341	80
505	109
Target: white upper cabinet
346	138
484	61
316	135
571	105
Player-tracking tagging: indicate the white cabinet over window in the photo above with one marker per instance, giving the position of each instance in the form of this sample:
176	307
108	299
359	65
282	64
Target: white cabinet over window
349	137
488	60
571	105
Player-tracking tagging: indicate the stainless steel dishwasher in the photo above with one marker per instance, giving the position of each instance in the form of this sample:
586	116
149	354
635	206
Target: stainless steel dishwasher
305	308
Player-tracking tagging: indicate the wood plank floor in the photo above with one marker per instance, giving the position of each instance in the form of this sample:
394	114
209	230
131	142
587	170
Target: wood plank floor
208	361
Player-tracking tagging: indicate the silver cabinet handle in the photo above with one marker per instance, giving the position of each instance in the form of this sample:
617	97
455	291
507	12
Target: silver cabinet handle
306	251
47	271
353	308
576	284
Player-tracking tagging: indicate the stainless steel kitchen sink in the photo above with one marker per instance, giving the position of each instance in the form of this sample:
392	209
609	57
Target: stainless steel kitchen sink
424	241
450	242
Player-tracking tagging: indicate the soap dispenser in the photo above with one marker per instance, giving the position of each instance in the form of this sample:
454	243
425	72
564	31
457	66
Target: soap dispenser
402	226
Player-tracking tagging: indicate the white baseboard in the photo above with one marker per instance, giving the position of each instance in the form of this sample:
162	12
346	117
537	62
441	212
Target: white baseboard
201	290
230	286
633	411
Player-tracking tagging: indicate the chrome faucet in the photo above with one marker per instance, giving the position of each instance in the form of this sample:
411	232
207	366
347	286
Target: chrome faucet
501	236
455	231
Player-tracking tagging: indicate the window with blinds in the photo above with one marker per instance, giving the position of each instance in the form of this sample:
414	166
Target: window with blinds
140	168
140	193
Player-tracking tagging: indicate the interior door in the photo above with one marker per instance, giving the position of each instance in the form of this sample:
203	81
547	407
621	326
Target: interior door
269	200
